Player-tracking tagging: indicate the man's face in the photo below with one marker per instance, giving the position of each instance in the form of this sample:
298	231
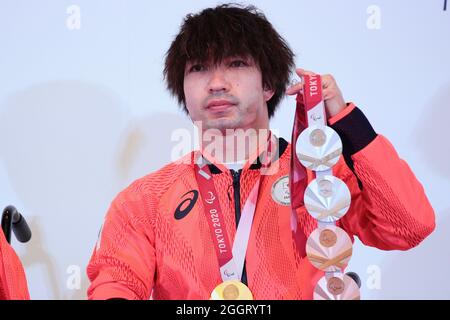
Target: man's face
228	95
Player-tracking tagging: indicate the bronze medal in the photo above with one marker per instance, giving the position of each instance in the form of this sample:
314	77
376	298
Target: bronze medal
335	286
327	238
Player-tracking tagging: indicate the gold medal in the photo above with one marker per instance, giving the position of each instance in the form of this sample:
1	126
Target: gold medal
231	290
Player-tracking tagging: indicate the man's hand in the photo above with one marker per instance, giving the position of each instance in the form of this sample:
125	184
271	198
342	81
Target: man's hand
332	96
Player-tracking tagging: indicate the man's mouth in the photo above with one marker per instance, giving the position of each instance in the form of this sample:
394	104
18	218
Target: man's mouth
219	105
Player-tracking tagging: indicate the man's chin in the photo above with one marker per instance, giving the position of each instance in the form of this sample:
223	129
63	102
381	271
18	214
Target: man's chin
221	124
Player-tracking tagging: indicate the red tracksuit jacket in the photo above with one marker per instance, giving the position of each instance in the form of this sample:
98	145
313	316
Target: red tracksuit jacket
156	239
13	283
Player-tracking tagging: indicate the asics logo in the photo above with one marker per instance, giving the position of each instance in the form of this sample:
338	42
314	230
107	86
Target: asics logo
182	210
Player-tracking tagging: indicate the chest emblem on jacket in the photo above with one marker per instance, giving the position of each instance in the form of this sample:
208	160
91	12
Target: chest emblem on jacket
280	191
185	206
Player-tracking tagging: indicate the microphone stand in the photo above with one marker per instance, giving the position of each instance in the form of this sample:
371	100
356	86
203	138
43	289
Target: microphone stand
12	219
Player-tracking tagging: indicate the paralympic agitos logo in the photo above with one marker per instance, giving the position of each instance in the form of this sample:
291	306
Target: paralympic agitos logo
182	210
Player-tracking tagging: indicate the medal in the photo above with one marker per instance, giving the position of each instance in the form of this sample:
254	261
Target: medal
280	191
327	199
329	248
317	137
327	238
231	290
231	258
336	286
318	148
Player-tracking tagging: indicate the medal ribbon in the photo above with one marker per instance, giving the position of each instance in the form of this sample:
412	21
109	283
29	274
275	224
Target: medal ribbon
231	260
309	110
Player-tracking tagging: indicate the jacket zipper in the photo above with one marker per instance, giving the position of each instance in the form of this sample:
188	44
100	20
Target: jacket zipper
236	175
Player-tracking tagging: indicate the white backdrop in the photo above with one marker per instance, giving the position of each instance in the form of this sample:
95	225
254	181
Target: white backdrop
84	111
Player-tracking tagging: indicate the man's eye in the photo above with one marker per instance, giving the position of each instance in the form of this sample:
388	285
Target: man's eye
238	63
197	68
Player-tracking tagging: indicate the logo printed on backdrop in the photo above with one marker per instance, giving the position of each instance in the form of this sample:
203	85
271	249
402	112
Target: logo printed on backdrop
181	212
73	21
374	279
374	20
74	279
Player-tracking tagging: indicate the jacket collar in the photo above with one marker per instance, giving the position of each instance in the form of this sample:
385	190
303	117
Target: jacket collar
282	146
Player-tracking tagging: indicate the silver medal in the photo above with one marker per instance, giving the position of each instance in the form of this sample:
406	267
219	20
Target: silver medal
318	148
327	199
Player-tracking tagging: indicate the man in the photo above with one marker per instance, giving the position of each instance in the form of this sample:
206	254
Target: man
229	69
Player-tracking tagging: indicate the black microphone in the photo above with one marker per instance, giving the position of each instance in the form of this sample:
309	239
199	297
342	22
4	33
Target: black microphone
12	219
355	278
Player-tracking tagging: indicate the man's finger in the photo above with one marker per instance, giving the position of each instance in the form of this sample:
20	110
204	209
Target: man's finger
295	89
327	81
302	72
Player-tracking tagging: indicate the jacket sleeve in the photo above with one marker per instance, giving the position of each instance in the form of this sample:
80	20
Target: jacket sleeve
123	262
13	281
389	208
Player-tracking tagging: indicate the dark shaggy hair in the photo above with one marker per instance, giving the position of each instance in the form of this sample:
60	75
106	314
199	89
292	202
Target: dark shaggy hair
230	30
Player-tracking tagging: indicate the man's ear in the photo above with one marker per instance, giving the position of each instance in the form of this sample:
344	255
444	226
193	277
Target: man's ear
268	93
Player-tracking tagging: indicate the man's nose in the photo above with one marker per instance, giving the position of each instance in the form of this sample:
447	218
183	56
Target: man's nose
218	81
